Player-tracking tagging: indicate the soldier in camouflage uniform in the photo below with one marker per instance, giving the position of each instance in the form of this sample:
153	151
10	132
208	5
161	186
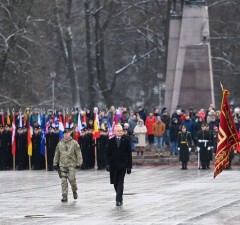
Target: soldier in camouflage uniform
67	158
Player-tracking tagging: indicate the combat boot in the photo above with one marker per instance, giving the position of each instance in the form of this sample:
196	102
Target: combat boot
75	195
64	199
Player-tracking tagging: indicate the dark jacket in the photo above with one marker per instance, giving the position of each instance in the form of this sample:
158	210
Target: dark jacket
174	129
118	158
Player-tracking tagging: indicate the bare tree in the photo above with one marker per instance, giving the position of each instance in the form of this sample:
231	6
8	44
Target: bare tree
66	39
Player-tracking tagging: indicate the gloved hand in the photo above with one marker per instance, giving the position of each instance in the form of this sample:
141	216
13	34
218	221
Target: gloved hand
56	168
209	148
129	171
178	149
108	168
189	149
198	149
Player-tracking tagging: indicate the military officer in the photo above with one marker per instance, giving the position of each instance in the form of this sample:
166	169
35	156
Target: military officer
52	140
184	146
66	159
204	139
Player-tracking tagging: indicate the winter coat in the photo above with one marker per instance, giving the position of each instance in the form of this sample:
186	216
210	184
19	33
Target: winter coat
140	131
149	124
119	158
159	128
174	129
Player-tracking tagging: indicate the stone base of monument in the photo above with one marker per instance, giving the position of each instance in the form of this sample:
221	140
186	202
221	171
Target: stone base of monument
150	158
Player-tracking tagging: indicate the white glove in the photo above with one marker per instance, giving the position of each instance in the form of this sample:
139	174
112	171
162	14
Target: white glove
209	148
198	149
178	149
189	149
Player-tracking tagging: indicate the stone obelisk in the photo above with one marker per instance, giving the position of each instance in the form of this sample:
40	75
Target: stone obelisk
189	79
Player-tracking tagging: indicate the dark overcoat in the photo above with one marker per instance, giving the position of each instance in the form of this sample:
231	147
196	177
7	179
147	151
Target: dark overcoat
184	143
118	158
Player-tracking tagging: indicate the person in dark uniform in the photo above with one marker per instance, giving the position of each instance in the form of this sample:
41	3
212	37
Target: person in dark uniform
203	145
90	149
184	146
118	161
3	148
82	141
8	135
52	140
36	144
210	144
101	149
21	149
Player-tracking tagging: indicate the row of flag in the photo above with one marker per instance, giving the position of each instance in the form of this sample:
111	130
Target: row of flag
77	124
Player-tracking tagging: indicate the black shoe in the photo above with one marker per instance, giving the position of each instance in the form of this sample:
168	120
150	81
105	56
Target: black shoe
75	195
119	203
64	199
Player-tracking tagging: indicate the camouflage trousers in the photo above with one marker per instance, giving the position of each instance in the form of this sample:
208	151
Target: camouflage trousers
68	174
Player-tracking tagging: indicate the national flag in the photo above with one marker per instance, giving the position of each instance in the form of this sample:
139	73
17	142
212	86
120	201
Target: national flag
84	120
20	123
61	127
8	119
112	124
65	124
3	121
96	133
42	144
39	119
29	139
24	120
227	136
13	136
78	127
41	122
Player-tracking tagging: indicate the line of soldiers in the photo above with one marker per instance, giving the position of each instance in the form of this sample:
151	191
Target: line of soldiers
41	161
206	142
87	146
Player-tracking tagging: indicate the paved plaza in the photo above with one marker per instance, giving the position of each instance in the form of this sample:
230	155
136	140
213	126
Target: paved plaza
164	195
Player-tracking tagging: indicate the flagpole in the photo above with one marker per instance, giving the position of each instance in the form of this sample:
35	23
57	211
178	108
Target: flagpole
221	86
29	161
14	163
95	152
45	151
199	159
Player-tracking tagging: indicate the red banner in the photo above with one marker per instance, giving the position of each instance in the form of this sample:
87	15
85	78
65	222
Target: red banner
227	136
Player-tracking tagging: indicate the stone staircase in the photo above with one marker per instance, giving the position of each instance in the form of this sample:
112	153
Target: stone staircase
150	158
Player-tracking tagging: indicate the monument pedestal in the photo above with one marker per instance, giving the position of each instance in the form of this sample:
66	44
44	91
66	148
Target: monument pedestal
189	79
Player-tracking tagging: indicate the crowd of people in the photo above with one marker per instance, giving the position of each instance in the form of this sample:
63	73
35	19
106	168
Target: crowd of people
182	132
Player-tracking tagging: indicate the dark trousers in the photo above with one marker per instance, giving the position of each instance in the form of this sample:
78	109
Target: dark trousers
151	139
118	185
184	165
204	164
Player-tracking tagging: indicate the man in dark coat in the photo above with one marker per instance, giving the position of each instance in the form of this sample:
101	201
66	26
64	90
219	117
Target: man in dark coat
36	144
21	149
8	133
101	144
118	161
52	140
3	148
83	143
